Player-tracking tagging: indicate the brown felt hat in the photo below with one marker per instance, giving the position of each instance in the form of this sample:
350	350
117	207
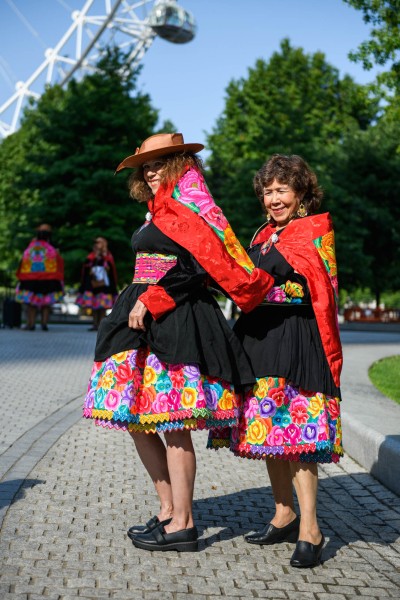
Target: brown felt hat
160	144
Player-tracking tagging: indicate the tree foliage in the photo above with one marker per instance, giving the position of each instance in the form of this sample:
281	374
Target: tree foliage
60	165
295	103
384	44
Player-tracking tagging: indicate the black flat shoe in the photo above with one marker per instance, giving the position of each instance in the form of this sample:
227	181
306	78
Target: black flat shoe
307	555
158	540
150	525
275	535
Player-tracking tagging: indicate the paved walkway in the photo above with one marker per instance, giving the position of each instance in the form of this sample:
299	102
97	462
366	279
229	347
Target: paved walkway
69	491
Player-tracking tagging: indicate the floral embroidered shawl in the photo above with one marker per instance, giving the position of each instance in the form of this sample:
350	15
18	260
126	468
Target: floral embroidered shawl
187	213
308	245
41	261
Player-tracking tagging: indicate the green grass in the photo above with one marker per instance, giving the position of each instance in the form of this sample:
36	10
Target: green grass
385	376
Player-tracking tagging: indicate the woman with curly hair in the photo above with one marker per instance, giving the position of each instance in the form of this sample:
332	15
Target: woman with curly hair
291	416
166	360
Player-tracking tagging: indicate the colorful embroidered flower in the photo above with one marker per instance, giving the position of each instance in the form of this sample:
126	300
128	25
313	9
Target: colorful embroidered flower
177	378
310	432
120	356
275	436
298	401
277	394
111	401
236	250
250	408
145	399
211	398
215	217
276	294
292	433
294	289
107	380
188	397
160	404
201	400
315	405
299	415
260	389
152	361
332	432
333	408
256	432
191	372
149	376
267	407
174	399
226	400
124	373
163	384
89	400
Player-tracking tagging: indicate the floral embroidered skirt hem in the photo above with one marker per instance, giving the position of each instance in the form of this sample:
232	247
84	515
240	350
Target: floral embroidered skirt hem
37	299
95	301
135	391
282	421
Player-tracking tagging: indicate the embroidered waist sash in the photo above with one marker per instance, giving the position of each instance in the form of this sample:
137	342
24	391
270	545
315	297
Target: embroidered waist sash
151	267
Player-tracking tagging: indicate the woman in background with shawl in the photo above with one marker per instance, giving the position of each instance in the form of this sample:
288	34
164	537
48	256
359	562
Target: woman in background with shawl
41	277
98	289
166	360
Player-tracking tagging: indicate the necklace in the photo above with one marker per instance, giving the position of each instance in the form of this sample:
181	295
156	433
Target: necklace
273	239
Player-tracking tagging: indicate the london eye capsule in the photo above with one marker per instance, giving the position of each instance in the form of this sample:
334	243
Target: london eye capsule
172	22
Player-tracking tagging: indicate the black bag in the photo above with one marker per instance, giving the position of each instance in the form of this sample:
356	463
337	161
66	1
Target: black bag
11	313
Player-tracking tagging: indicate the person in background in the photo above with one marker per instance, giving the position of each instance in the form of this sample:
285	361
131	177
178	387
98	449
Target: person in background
291	416
166	360
40	277
98	289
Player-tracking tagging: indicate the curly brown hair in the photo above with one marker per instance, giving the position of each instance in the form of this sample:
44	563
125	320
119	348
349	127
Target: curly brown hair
175	166
293	171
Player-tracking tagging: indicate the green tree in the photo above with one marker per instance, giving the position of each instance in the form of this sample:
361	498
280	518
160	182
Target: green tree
294	103
384	43
67	149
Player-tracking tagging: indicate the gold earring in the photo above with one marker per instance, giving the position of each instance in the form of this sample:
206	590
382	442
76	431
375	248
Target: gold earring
301	211
268	217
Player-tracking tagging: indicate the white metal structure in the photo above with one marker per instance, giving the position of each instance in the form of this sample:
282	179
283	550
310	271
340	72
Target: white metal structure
100	22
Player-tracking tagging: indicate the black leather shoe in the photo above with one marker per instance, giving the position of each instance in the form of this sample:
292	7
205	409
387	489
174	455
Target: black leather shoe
159	540
307	555
275	535
150	525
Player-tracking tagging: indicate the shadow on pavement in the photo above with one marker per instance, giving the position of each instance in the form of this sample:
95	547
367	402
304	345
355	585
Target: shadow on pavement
347	513
14	490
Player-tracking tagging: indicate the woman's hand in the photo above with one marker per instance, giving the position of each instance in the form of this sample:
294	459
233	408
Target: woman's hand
136	316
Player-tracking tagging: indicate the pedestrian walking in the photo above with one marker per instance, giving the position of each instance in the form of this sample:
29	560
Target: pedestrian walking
166	360
291	416
98	288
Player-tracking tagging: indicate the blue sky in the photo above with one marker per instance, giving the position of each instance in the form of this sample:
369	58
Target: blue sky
187	82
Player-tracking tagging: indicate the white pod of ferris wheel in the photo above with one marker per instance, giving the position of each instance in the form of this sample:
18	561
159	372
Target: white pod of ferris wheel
98	24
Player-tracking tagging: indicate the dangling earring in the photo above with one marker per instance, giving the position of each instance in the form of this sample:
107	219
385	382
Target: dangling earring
301	211
268	217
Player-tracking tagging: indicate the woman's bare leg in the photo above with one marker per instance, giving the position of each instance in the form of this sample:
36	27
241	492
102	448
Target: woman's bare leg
305	479
31	316
152	453
282	488
182	471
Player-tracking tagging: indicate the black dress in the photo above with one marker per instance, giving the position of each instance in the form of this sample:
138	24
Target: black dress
293	410
190	352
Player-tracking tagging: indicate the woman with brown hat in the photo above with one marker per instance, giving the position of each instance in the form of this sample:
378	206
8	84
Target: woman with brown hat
166	361
291	416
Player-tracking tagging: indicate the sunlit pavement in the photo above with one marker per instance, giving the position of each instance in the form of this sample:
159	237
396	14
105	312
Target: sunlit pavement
70	490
